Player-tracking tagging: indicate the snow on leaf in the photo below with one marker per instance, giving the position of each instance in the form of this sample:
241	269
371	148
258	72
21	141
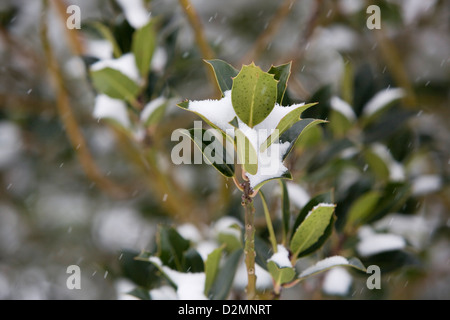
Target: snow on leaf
381	100
109	108
372	243
329	263
135	12
281	258
126	64
190	286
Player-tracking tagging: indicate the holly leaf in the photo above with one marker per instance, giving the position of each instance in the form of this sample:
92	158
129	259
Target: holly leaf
253	94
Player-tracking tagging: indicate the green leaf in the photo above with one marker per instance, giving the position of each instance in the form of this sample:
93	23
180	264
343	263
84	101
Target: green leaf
224	74
108	35
281	74
212	149
156	115
246	152
392	199
285	123
115	84
143	46
212	269
285	208
295	132
253	94
321	198
141	273
171	247
185	106
272	237
311	229
362	208
140	293
331	262
377	164
192	261
231	237
286	175
280	275
224	280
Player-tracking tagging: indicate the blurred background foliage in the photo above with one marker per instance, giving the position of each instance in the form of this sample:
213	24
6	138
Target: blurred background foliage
92	192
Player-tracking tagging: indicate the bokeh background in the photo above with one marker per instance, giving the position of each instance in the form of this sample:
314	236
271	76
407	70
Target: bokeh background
99	207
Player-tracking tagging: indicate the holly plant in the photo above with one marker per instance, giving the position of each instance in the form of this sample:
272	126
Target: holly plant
251	119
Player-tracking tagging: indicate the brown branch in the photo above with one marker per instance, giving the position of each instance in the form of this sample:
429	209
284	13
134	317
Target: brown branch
200	38
249	247
269	33
68	118
395	64
72	35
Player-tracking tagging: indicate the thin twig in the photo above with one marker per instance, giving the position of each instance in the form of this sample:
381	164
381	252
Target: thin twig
72	34
68	118
249	247
395	65
200	38
269	33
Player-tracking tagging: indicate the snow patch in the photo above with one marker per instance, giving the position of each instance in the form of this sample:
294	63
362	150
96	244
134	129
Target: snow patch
426	184
382	99
126	64
373	243
151	107
343	108
396	170
135	12
324	264
163	293
281	258
109	108
337	282
190	286
297	195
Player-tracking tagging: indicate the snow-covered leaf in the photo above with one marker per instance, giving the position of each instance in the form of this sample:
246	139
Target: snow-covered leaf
373	243
381	100
153	111
113	109
109	36
190	285
312	228
253	95
135	12
327	197
224	73
125	64
329	263
285	123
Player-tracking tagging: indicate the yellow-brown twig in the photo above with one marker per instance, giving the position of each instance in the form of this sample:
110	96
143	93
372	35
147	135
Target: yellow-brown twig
269	33
67	117
200	38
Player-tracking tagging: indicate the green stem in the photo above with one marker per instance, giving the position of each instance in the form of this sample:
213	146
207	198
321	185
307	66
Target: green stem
273	239
247	203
